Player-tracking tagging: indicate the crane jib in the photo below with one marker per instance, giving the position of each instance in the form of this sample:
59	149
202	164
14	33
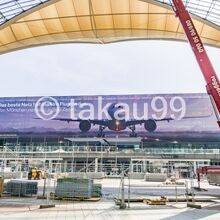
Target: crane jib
213	85
195	36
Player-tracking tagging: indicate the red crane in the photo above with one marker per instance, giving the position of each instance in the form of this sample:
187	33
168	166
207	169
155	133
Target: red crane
213	85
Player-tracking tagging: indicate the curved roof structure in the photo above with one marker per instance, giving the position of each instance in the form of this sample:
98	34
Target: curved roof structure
28	23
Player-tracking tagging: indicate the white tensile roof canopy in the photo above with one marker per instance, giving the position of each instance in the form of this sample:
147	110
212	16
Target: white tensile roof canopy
28	23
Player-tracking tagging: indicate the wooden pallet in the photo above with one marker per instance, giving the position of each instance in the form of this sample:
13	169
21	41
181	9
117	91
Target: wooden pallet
88	199
5	194
156	201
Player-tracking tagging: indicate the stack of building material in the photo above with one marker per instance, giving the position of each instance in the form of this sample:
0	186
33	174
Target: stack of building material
213	178
92	175
1	185
22	187
155	177
77	187
137	176
97	190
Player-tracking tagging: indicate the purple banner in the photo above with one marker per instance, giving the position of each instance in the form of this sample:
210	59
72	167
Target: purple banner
126	115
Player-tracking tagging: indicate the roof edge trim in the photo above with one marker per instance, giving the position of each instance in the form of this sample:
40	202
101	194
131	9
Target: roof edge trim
99	42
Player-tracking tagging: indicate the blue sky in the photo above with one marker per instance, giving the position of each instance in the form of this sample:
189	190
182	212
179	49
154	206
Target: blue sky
133	67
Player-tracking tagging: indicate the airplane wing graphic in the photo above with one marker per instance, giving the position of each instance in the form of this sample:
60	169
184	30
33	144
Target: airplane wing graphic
92	121
140	122
149	124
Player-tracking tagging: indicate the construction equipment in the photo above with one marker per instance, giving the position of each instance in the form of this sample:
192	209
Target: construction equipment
213	85
36	174
212	173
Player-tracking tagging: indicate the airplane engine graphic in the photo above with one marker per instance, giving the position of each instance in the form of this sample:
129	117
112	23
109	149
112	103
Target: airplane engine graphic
84	125
150	125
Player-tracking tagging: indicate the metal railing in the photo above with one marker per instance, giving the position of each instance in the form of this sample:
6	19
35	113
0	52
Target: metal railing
18	150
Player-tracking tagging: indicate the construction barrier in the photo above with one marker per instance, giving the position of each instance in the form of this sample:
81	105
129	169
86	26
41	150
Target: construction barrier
22	187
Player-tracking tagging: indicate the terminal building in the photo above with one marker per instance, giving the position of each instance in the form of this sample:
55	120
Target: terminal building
110	155
59	145
176	146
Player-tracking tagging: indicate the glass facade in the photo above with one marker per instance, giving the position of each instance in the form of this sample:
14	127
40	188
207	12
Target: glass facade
206	9
44	144
11	8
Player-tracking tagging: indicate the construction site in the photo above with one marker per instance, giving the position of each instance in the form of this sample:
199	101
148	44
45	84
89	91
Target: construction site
75	179
136	156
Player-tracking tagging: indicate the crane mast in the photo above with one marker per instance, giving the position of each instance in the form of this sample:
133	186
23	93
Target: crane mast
211	78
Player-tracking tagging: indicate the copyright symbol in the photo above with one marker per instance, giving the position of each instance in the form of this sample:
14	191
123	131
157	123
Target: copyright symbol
47	108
